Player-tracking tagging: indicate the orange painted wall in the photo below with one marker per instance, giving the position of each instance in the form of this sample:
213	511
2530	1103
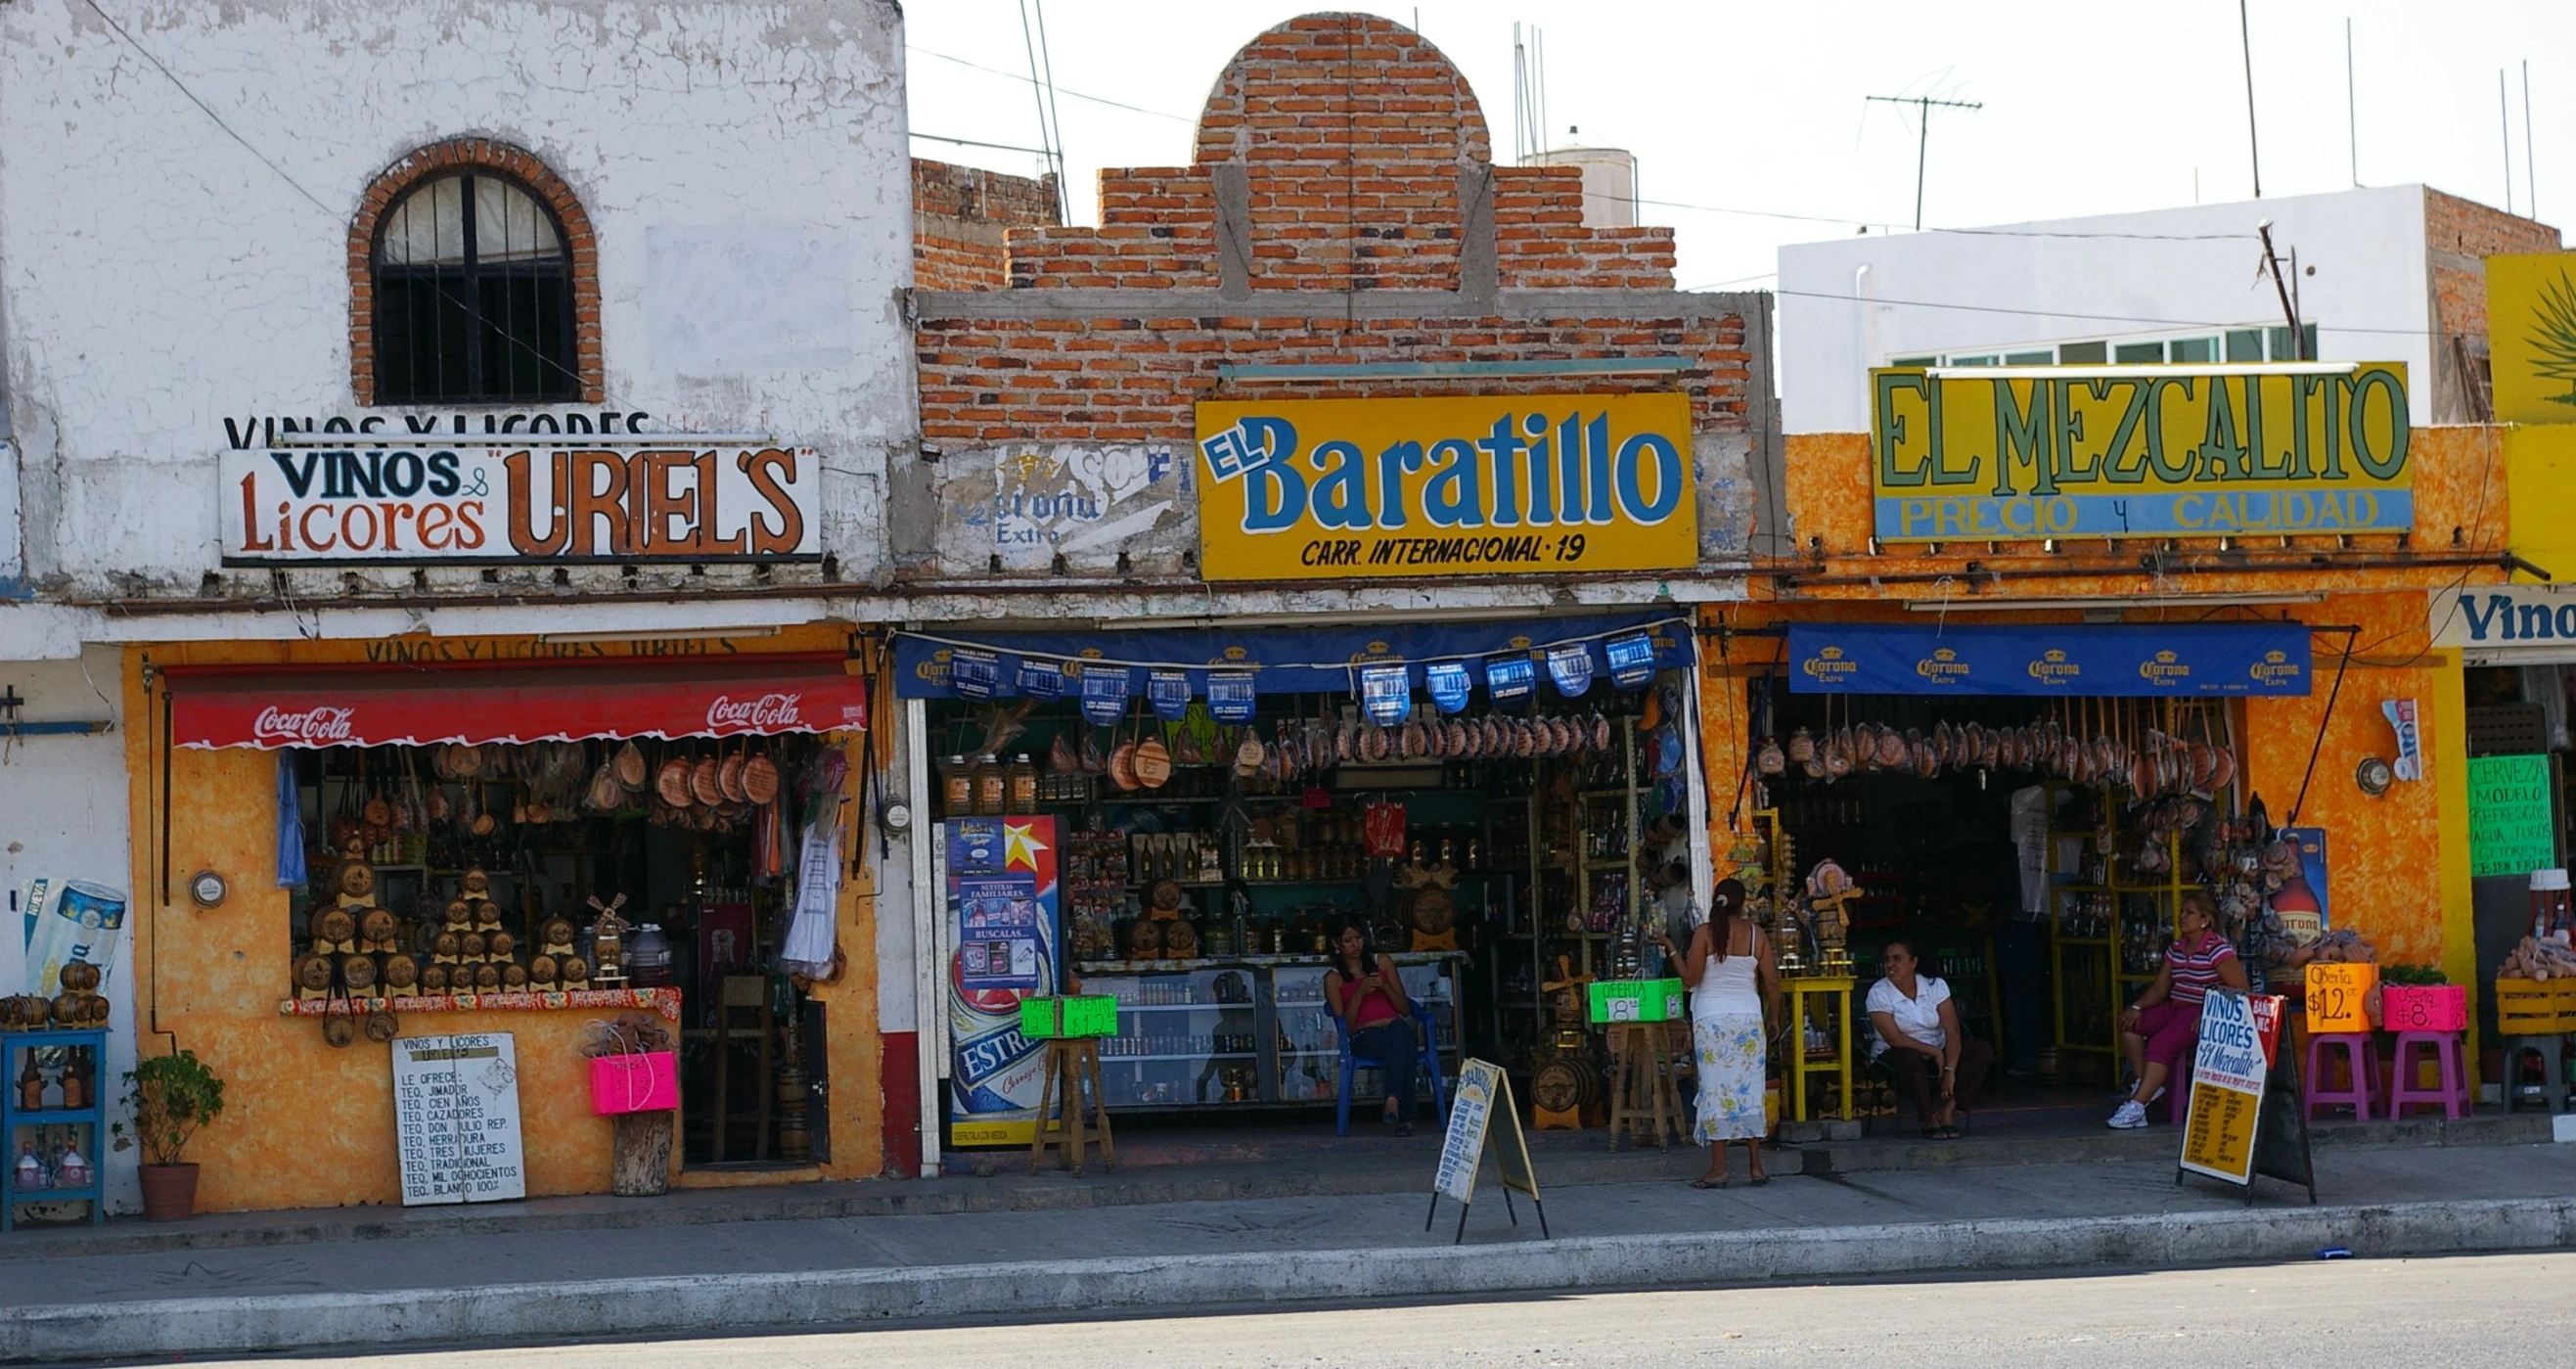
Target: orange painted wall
2385	878
309	1125
2392	874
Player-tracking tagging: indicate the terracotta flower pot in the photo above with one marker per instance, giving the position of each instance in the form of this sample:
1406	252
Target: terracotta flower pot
169	1192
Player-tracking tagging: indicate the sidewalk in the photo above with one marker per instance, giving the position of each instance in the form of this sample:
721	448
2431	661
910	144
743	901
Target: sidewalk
465	1284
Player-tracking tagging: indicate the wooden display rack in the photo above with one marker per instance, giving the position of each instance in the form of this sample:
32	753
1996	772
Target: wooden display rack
2096	959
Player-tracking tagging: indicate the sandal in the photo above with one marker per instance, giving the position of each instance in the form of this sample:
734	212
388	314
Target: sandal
1758	1180
1704	1183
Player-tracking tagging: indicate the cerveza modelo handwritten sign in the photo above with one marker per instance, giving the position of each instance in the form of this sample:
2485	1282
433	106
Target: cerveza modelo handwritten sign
1336	489
2139	451
656	498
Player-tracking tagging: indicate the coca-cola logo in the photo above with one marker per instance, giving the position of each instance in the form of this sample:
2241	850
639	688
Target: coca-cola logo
768	713
312	727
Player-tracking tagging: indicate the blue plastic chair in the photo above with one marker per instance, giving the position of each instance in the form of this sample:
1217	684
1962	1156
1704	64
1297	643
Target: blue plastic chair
1352	1064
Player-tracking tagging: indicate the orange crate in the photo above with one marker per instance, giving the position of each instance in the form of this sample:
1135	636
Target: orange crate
2533	1007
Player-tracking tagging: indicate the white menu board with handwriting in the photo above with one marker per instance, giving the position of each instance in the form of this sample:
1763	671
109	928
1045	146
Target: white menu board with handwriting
456	1118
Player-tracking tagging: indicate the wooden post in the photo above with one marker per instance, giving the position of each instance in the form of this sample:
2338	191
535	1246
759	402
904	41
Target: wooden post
640	1164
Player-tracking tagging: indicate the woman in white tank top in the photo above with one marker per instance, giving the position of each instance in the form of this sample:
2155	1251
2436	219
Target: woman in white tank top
1732	981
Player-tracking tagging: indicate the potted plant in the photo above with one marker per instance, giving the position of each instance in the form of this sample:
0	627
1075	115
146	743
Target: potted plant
173	1095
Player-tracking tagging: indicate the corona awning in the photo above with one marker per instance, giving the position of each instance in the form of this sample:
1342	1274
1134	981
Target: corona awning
2113	660
418	707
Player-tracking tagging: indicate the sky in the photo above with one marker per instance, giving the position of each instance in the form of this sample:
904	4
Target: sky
1749	119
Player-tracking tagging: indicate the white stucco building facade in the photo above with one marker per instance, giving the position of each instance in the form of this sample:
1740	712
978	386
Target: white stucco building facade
189	198
2382	274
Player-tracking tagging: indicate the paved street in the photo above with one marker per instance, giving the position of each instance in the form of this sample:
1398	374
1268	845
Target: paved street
2501	1309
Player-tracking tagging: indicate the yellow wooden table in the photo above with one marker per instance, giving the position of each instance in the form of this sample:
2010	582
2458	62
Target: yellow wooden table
1824	993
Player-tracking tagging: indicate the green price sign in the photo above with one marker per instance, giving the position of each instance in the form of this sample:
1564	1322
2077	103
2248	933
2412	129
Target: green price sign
2511	831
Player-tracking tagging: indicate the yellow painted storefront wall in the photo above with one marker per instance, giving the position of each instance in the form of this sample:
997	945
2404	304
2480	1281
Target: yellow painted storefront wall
2540	470
309	1125
2399	863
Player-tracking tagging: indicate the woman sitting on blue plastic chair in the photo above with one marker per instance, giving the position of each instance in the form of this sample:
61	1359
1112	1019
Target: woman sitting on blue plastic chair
1367	998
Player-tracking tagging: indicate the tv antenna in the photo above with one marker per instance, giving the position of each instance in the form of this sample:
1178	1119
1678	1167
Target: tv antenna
1923	107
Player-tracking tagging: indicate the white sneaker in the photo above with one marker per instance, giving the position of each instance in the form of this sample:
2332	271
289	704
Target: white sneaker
2131	1116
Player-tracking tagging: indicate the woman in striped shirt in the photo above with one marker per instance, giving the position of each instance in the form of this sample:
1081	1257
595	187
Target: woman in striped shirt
2164	1023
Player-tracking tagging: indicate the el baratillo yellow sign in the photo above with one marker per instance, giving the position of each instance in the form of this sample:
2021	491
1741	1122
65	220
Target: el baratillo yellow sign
1337	489
2136	451
2531	337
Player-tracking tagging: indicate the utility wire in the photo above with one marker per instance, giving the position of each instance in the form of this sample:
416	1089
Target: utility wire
1068	94
2096	318
182	87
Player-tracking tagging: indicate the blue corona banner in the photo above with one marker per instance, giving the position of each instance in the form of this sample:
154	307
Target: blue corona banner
2128	660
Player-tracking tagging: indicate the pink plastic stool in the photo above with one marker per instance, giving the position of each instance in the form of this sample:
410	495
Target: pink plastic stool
2361	1055
2452	1095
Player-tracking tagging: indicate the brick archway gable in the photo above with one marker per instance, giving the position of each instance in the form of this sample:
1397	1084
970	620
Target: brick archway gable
1279	82
518	164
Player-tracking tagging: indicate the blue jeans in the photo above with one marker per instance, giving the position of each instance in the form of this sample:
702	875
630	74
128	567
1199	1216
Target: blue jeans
1398	1049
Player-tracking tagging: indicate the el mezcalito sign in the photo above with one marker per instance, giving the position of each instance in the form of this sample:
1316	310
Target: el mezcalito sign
2139	451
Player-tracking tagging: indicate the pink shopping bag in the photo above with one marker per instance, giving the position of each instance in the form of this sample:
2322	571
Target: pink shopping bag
648	1081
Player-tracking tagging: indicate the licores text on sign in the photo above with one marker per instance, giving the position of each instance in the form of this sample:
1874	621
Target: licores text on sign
488	505
2139	451
1468	485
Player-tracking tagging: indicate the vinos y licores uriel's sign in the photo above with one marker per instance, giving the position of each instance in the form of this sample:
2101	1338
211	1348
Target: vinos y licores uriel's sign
487	499
1999	454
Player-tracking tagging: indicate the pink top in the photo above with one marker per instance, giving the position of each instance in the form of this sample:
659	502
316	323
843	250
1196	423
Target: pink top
1373	1009
2195	971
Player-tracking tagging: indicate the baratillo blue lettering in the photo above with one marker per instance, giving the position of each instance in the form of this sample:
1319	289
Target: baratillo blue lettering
1530	470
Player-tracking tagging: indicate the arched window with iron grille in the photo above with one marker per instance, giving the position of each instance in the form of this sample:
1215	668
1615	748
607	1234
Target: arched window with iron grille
473	295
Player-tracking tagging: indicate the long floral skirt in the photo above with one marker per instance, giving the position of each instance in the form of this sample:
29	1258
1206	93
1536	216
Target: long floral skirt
1730	1078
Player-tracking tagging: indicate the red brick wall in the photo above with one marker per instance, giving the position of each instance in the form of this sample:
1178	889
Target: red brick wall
1360	146
959	215
1111	379
2459	235
1355	138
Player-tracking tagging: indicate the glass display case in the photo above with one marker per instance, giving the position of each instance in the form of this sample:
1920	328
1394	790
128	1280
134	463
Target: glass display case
1247	1032
1310	1045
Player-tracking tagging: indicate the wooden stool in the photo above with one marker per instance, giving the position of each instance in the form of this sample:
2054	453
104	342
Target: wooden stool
1069	1061
1643	1104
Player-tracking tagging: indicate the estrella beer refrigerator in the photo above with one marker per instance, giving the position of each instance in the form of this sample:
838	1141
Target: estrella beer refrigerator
998	880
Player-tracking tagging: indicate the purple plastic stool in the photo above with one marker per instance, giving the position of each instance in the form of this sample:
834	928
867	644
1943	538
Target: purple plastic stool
2361	1054
2452	1095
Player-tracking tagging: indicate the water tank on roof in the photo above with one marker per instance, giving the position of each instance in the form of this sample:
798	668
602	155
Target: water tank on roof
1609	180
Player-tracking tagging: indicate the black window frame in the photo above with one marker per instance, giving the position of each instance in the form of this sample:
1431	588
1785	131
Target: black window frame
549	333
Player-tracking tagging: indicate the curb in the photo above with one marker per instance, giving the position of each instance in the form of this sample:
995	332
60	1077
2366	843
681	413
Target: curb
824	1298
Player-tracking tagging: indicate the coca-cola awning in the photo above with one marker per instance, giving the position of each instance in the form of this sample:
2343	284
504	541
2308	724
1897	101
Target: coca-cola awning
418	707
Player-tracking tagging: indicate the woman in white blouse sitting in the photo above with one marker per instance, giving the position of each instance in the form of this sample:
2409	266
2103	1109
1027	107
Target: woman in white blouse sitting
1920	1044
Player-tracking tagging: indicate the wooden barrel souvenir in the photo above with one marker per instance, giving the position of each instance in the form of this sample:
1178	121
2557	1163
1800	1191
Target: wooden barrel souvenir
339	1031
1180	940
1431	910
1557	1086
380	1026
